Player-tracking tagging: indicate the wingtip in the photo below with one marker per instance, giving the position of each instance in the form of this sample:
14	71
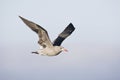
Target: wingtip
19	16
71	25
23	19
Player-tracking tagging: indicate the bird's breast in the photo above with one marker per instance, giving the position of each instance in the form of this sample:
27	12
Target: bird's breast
50	51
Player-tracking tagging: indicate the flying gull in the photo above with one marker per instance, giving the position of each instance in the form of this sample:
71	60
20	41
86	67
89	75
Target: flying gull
49	48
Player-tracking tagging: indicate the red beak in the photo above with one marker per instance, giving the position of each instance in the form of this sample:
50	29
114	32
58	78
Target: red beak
65	50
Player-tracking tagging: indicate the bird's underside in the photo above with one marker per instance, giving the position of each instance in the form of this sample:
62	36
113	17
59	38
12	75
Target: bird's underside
49	48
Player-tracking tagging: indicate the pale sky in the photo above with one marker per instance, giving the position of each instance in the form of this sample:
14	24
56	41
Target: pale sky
94	47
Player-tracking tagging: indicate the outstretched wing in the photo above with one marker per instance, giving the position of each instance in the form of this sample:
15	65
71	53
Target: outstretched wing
44	40
67	32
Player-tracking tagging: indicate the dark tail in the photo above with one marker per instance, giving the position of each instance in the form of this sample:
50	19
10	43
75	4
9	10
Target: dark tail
35	52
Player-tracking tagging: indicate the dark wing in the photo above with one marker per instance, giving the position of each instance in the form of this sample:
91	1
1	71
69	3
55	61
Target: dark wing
67	32
42	33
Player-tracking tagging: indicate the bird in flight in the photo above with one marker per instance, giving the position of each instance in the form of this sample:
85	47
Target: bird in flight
49	48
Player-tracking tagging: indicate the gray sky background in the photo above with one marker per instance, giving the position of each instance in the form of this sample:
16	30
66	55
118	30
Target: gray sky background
94	47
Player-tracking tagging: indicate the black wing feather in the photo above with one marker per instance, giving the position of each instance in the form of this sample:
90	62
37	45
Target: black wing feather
67	32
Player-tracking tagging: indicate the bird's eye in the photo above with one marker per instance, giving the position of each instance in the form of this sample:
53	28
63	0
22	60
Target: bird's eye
61	47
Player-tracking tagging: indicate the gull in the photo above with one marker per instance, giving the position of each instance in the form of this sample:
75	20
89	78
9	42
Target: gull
49	48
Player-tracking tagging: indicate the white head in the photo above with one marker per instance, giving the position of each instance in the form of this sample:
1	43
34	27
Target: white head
60	49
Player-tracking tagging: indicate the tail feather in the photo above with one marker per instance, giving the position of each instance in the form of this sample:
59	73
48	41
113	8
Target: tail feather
35	52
